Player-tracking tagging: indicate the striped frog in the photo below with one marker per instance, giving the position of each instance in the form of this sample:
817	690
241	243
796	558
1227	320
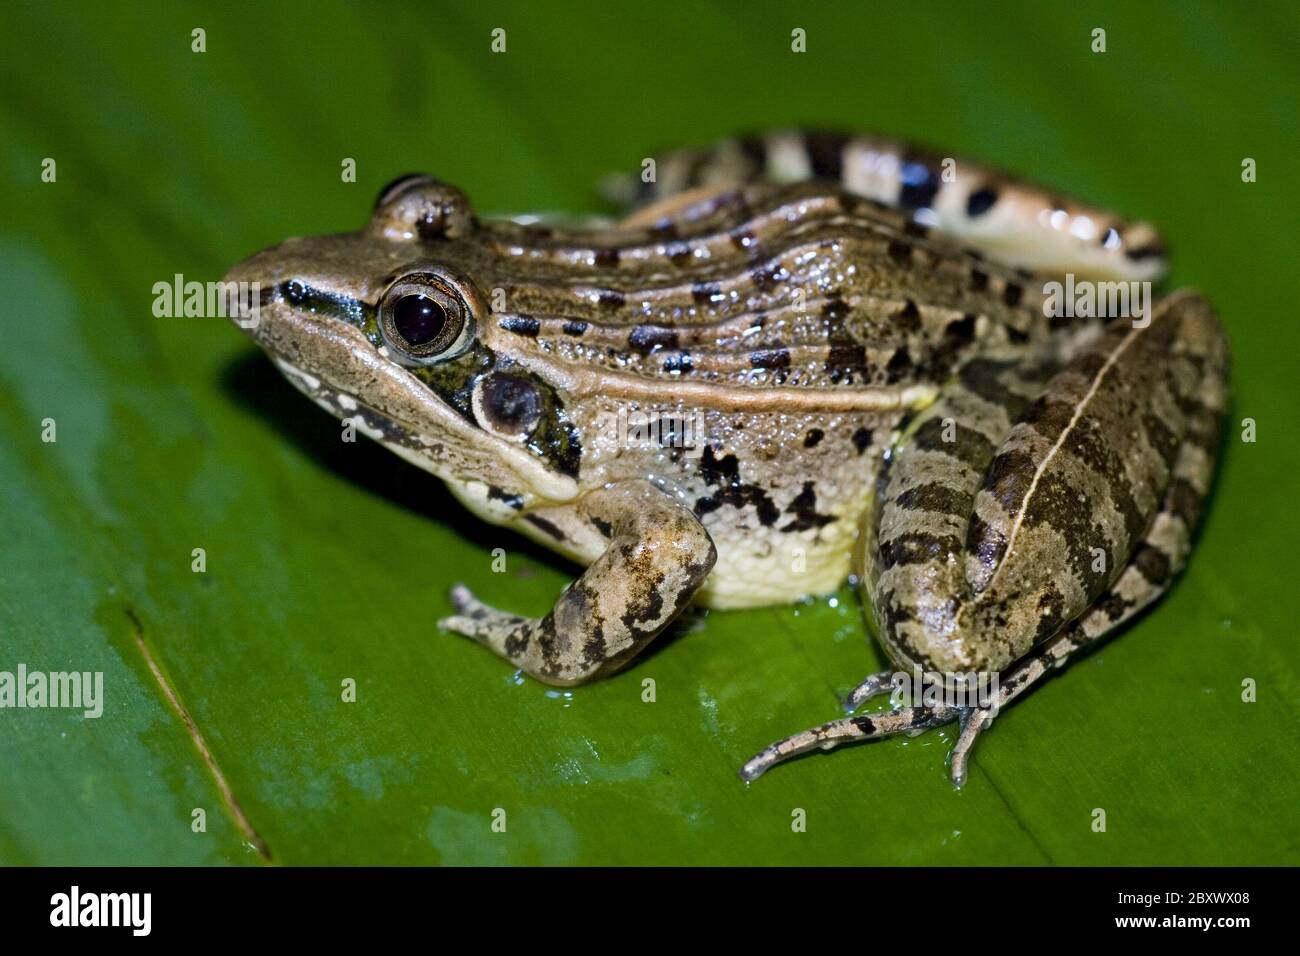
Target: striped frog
803	356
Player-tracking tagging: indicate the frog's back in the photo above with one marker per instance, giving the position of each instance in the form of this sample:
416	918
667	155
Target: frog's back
801	296
793	325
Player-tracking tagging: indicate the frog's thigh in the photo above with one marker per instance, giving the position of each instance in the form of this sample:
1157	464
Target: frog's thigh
1148	574
658	555
1167	391
985	545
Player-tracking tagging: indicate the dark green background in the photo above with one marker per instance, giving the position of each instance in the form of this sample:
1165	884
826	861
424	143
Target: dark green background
328	560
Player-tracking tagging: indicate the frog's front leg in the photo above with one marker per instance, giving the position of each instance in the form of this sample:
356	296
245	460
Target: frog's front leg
1008	533
658	555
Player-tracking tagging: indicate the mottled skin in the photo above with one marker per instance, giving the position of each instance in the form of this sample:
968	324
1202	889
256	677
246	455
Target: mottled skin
871	393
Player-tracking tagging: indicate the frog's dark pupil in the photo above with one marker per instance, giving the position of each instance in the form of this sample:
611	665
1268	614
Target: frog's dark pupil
418	319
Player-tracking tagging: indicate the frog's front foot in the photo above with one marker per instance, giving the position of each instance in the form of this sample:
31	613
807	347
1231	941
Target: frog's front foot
473	618
657	557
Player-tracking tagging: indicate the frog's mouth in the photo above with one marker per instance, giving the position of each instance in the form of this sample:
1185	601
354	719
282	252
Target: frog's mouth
327	356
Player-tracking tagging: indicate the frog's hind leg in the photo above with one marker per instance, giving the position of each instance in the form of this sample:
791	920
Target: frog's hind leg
1159	558
1005	218
1155	563
657	557
959	585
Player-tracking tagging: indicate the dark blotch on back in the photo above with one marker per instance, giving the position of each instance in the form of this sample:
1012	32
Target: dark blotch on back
768	277
835	310
898	365
770	358
842	361
743	240
520	325
681	362
678	253
647	338
704	293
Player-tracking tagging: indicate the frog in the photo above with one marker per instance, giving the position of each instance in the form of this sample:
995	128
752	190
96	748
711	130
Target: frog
860	334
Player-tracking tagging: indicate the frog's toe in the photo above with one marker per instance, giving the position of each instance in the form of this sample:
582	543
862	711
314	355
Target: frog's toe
973	721
873	686
464	601
836	732
475	619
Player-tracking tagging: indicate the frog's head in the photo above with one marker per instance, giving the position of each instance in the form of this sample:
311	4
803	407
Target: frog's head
384	327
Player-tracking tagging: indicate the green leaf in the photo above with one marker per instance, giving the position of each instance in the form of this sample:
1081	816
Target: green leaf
328	562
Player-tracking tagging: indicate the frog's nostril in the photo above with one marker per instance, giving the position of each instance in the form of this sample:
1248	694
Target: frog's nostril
294	292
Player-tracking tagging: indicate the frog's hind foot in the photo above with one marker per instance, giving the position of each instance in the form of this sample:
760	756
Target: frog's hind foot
972	721
864	727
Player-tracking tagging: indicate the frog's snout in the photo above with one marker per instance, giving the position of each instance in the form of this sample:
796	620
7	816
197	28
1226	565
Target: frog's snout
247	291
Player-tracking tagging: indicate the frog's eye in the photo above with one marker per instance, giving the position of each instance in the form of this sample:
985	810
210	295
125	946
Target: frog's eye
426	318
402	184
